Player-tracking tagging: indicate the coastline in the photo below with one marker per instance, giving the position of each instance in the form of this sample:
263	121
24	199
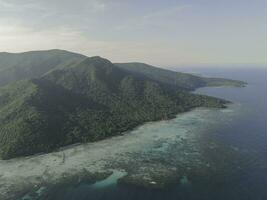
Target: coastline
23	174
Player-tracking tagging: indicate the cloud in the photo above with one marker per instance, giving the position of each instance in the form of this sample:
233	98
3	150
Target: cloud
54	5
169	12
156	18
21	38
13	5
5	5
49	13
124	30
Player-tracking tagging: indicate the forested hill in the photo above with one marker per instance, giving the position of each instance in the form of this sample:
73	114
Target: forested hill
82	99
34	64
182	80
17	66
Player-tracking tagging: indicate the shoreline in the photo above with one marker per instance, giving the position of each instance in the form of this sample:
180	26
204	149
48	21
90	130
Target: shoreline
173	116
117	153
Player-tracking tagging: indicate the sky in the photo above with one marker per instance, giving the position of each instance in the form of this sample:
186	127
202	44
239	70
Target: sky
161	32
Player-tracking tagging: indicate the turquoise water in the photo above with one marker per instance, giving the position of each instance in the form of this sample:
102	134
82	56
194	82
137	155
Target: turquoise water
227	156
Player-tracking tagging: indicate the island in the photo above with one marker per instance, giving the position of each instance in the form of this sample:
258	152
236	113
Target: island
55	98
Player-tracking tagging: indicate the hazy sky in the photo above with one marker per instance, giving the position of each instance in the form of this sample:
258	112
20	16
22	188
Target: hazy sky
162	32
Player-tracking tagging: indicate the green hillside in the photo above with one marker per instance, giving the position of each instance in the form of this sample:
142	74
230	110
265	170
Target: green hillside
88	101
17	66
182	80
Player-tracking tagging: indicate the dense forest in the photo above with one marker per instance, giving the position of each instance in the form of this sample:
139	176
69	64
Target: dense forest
55	98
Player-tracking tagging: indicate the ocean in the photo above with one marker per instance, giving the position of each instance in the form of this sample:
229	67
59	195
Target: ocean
230	146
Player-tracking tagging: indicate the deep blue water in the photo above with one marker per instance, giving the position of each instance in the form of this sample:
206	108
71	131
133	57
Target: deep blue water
248	133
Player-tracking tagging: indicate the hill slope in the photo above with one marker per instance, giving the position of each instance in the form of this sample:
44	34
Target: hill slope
17	66
182	80
88	100
34	64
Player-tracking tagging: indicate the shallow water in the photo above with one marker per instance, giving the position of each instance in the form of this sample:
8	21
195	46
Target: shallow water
165	147
217	154
110	181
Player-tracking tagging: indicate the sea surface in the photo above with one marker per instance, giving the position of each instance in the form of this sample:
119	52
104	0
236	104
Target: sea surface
239	165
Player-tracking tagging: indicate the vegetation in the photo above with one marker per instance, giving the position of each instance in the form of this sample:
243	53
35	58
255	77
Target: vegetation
90	100
178	79
34	64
